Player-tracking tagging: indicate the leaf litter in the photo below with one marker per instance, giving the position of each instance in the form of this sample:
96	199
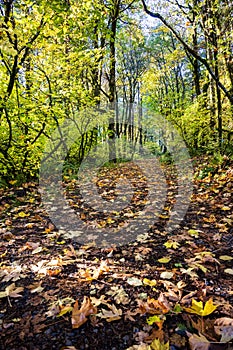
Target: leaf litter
162	291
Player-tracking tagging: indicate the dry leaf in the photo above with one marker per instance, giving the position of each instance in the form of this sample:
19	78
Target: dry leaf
138	347
133	281
12	291
153	306
166	275
36	287
198	342
119	294
111	315
101	300
65	310
224	326
79	316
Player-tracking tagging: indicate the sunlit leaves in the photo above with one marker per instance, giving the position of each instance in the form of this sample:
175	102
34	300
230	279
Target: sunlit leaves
171	244
198	308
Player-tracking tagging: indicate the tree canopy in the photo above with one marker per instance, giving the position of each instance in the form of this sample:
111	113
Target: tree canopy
61	57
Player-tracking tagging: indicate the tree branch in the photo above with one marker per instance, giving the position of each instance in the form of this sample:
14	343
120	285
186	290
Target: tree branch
189	50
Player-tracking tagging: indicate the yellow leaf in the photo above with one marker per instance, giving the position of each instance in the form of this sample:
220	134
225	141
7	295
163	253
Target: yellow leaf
164	260
64	310
193	233
171	244
198	309
153	319
148	282
225	208
157	345
225	257
22	214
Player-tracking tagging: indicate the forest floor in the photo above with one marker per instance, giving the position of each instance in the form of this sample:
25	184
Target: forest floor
162	291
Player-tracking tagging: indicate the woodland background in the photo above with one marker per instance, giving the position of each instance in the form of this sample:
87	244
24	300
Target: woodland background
60	57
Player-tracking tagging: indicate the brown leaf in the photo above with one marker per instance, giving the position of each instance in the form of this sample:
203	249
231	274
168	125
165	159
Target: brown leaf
224	326
79	316
153	306
12	291
198	342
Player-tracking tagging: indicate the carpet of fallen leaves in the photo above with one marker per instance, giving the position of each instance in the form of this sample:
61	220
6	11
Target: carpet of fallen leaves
161	291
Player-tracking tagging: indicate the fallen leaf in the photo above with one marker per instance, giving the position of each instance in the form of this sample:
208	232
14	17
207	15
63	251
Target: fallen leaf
79	316
148	282
133	281
138	347
171	244
229	271
166	275
64	310
119	294
198	342
154	306
101	300
112	314
224	326
164	260
157	345
198	309
37	250
154	319
193	233
36	287
12	291
225	257
22	214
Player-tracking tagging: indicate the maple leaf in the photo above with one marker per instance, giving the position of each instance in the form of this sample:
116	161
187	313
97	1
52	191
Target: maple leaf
119	294
153	306
101	300
157	319
198	309
79	316
158	345
148	282
171	244
111	315
12	291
